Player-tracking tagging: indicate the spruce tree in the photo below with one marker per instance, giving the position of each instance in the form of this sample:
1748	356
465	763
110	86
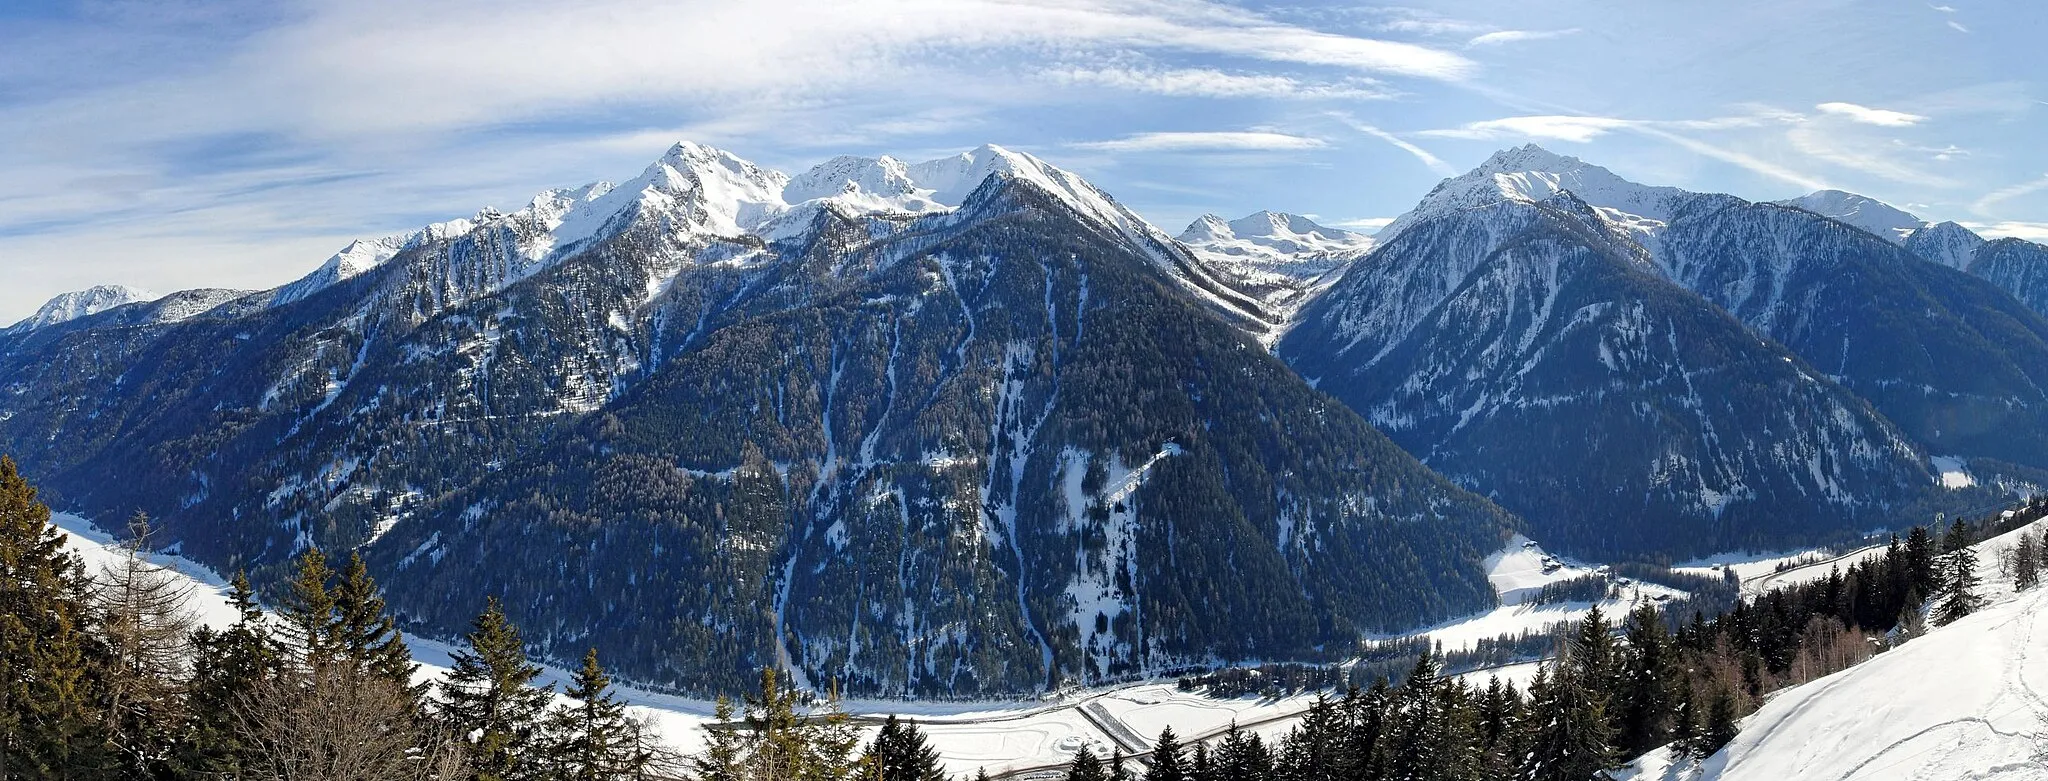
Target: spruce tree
1201	766
724	754
1958	572
1719	728
1918	570
1366	742
1685	721
1086	767
1645	693
1118	770
2026	562
489	698
308	613
365	638
48	728
593	739
1572	740
228	668
1167	762
900	752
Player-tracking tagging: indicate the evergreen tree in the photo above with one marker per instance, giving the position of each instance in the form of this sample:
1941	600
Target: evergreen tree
308	613
1086	767
724	754
365	638
1167	762
1958	572
1685	721
1423	746
1645	690
779	737
1719	728
1365	745
1499	729
228	668
2026	562
48	728
1118	771
593	740
1313	750
488	697
1572	740
1918	571
901	753
1201	766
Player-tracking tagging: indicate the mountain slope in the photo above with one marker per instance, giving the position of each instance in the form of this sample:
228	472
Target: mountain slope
911	437
71	306
1867	214
1965	701
2017	267
1532	352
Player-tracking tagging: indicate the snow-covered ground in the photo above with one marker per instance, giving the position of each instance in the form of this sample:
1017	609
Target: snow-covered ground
1966	701
1521	570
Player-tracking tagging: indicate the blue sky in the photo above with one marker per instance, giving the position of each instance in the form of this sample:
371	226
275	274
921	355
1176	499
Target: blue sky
173	143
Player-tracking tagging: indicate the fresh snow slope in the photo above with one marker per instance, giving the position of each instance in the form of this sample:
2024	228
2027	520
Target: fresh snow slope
1275	247
71	306
1966	701
1532	174
1872	215
1946	243
1518	573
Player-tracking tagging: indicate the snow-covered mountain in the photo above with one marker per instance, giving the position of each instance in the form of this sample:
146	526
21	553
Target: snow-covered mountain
1278	259
1533	352
1532	174
1965	701
71	306
959	427
1946	243
1869	214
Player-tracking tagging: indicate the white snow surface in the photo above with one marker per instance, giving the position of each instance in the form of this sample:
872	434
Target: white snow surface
1285	245
1965	701
1521	570
1869	214
1952	472
1531	174
70	306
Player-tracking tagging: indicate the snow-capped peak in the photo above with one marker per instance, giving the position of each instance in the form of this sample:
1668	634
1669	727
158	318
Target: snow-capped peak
1870	214
1277	234
1946	243
81	303
1532	174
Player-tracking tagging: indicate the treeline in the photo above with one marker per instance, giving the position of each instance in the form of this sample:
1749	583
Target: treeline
1612	693
106	675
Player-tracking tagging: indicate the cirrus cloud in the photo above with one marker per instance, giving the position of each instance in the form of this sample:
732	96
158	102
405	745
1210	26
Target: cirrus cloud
1871	116
1206	141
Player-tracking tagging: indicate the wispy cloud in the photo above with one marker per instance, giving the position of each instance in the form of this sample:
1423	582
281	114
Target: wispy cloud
1864	155
1957	26
1213	83
1985	204
1518	36
2031	231
1365	224
1871	116
1206	141
1554	127
1432	161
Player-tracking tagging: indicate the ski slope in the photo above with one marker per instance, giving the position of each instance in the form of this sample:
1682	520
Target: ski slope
1967	701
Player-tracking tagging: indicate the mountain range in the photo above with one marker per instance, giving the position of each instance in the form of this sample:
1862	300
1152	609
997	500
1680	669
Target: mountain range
970	426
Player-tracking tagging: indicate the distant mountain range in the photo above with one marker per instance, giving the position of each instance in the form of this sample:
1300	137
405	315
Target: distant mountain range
970	426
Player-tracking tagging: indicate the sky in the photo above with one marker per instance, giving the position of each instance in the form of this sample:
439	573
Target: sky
173	144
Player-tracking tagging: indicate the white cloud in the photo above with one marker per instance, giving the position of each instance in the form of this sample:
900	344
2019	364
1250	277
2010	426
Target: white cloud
1984	204
1947	9
2031	231
1212	83
1518	36
1857	153
1364	224
1206	141
1555	127
1435	163
1957	26
1871	116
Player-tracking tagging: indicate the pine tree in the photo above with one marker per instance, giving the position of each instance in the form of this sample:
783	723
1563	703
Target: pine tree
724	754
1086	767
1422	743
2026	562
365	638
48	728
1572	740
1118	771
489	698
308	613
1919	573
1719	728
1645	692
1167	762
1685	721
1314	748
228	668
1958	572
1201	766
593	740
1499	729
1366	742
900	752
